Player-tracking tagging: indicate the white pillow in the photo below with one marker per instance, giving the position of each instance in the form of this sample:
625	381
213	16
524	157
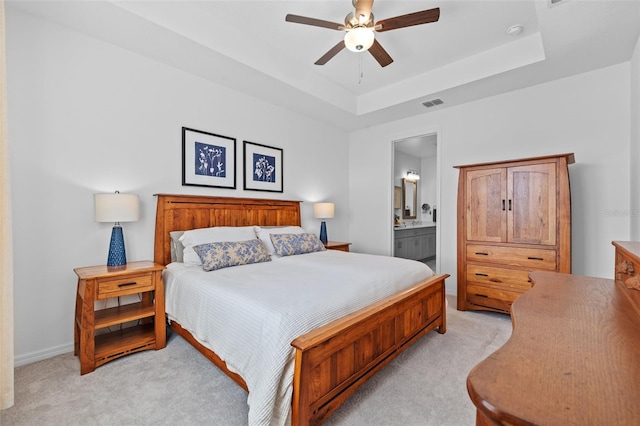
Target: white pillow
217	234
176	246
264	234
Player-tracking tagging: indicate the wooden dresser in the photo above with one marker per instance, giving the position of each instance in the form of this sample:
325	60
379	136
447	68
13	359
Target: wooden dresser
627	272
514	217
574	355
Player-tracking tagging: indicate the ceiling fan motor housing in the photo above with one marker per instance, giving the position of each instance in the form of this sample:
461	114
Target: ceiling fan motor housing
353	21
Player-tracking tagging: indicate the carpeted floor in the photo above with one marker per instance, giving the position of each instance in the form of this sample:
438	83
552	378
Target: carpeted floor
425	385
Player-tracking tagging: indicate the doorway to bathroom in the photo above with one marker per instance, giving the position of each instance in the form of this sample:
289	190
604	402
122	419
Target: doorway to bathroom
415	204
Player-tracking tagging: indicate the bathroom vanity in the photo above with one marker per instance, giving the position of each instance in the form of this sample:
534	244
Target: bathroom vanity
415	241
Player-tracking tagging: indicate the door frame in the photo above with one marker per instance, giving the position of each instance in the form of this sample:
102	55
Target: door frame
406	134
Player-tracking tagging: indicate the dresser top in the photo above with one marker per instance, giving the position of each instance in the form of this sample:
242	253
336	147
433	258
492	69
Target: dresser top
572	358
632	248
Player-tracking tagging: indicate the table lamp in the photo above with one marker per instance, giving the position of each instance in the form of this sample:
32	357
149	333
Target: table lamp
117	208
323	211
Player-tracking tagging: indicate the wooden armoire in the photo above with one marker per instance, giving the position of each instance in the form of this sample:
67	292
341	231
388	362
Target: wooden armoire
514	217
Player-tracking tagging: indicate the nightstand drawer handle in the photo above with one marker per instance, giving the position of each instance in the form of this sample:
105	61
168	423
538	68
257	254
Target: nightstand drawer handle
481	275
127	284
534	258
480	253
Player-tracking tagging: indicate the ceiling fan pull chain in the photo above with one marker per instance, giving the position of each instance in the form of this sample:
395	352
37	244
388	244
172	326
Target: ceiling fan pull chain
360	73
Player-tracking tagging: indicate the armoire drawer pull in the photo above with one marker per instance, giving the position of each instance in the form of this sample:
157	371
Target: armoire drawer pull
482	295
534	258
481	275
495	280
479	253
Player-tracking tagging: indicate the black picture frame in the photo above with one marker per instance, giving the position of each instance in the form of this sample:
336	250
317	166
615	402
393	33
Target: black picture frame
208	159
263	166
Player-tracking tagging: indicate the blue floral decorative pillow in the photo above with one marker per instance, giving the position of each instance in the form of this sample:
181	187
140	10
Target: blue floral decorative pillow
292	244
231	253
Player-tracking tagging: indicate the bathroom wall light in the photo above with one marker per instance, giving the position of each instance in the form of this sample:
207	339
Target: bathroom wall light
412	175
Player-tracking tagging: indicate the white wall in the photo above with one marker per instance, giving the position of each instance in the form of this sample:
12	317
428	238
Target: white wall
428	186
86	117
635	144
587	114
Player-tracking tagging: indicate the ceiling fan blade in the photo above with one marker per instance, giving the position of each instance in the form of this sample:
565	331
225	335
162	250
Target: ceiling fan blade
331	53
381	55
408	20
313	21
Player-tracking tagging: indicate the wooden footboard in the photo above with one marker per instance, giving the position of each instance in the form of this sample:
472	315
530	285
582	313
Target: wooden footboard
336	359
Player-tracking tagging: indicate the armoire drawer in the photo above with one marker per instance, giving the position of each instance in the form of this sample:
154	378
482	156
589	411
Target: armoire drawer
516	280
532	258
491	297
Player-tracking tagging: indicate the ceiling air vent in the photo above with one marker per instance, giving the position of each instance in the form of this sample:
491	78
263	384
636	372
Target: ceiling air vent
433	102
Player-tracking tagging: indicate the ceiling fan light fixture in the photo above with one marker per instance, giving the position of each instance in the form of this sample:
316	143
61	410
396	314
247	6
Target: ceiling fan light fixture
359	39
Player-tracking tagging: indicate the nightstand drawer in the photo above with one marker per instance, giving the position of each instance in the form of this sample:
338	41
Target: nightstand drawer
124	285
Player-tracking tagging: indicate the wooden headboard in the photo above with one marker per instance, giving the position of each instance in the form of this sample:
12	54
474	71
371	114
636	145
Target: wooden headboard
185	212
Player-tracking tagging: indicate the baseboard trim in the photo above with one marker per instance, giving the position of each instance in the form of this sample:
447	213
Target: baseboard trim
32	357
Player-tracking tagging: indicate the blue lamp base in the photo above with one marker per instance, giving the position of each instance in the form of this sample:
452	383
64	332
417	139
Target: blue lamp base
323	232
117	255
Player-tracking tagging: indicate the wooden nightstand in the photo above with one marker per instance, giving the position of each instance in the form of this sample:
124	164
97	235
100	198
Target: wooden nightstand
337	245
102	282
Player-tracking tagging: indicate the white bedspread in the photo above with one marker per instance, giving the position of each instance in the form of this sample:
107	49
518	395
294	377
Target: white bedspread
249	315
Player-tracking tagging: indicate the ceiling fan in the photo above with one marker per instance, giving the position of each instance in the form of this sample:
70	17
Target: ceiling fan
360	28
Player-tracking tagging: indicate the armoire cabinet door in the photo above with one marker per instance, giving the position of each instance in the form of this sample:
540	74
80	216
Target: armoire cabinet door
531	204
485	205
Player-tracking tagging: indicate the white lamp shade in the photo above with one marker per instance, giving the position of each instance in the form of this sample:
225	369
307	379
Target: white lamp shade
323	210
117	207
359	39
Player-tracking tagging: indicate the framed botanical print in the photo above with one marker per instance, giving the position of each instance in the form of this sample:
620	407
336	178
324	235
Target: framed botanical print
208	159
262	167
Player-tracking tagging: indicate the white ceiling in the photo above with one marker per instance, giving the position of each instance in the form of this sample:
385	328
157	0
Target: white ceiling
466	55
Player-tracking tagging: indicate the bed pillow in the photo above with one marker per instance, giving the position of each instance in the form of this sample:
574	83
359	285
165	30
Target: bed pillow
265	234
216	234
231	253
292	244
177	249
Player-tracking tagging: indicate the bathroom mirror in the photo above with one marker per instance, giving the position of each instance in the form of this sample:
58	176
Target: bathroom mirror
409	198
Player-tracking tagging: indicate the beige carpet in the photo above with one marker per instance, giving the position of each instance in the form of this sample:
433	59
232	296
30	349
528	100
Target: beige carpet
426	385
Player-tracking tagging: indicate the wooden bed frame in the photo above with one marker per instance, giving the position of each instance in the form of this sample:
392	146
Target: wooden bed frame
331	361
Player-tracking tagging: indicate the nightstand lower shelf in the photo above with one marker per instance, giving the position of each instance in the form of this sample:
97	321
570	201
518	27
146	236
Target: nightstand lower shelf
114	344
